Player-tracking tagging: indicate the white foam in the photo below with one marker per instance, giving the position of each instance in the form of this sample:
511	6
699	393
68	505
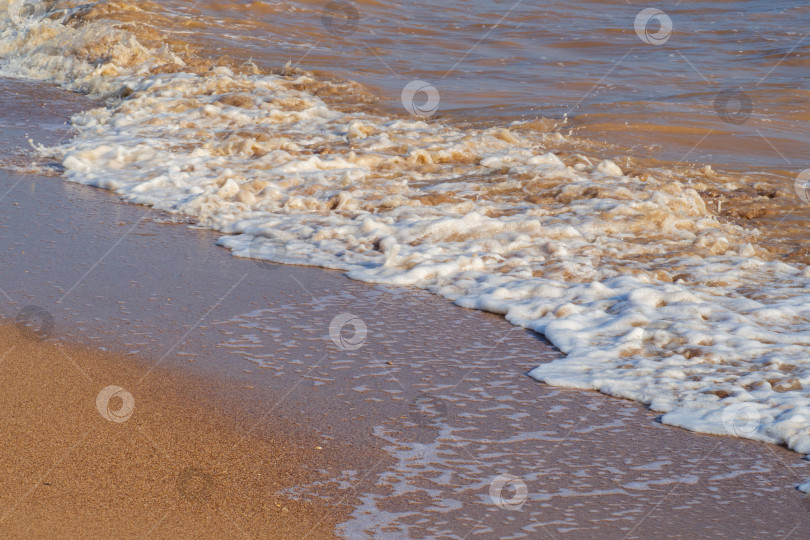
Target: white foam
649	296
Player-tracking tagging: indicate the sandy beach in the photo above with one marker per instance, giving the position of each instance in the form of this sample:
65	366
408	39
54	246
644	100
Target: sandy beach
261	408
84	457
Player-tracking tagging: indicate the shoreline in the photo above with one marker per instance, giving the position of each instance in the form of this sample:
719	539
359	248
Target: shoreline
436	395
493	219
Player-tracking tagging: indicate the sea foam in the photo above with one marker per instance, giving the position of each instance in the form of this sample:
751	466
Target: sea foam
647	293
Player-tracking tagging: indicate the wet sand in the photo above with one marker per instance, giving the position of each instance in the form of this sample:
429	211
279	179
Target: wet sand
422	417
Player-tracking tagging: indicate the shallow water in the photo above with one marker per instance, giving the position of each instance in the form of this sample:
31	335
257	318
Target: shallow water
507	60
723	84
644	267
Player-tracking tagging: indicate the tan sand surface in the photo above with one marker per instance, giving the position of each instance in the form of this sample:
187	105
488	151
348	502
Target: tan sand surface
170	462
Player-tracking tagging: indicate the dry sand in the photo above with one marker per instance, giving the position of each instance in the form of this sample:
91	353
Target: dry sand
175	465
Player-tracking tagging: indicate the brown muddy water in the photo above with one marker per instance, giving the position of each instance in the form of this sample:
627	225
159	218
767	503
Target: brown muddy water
723	84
